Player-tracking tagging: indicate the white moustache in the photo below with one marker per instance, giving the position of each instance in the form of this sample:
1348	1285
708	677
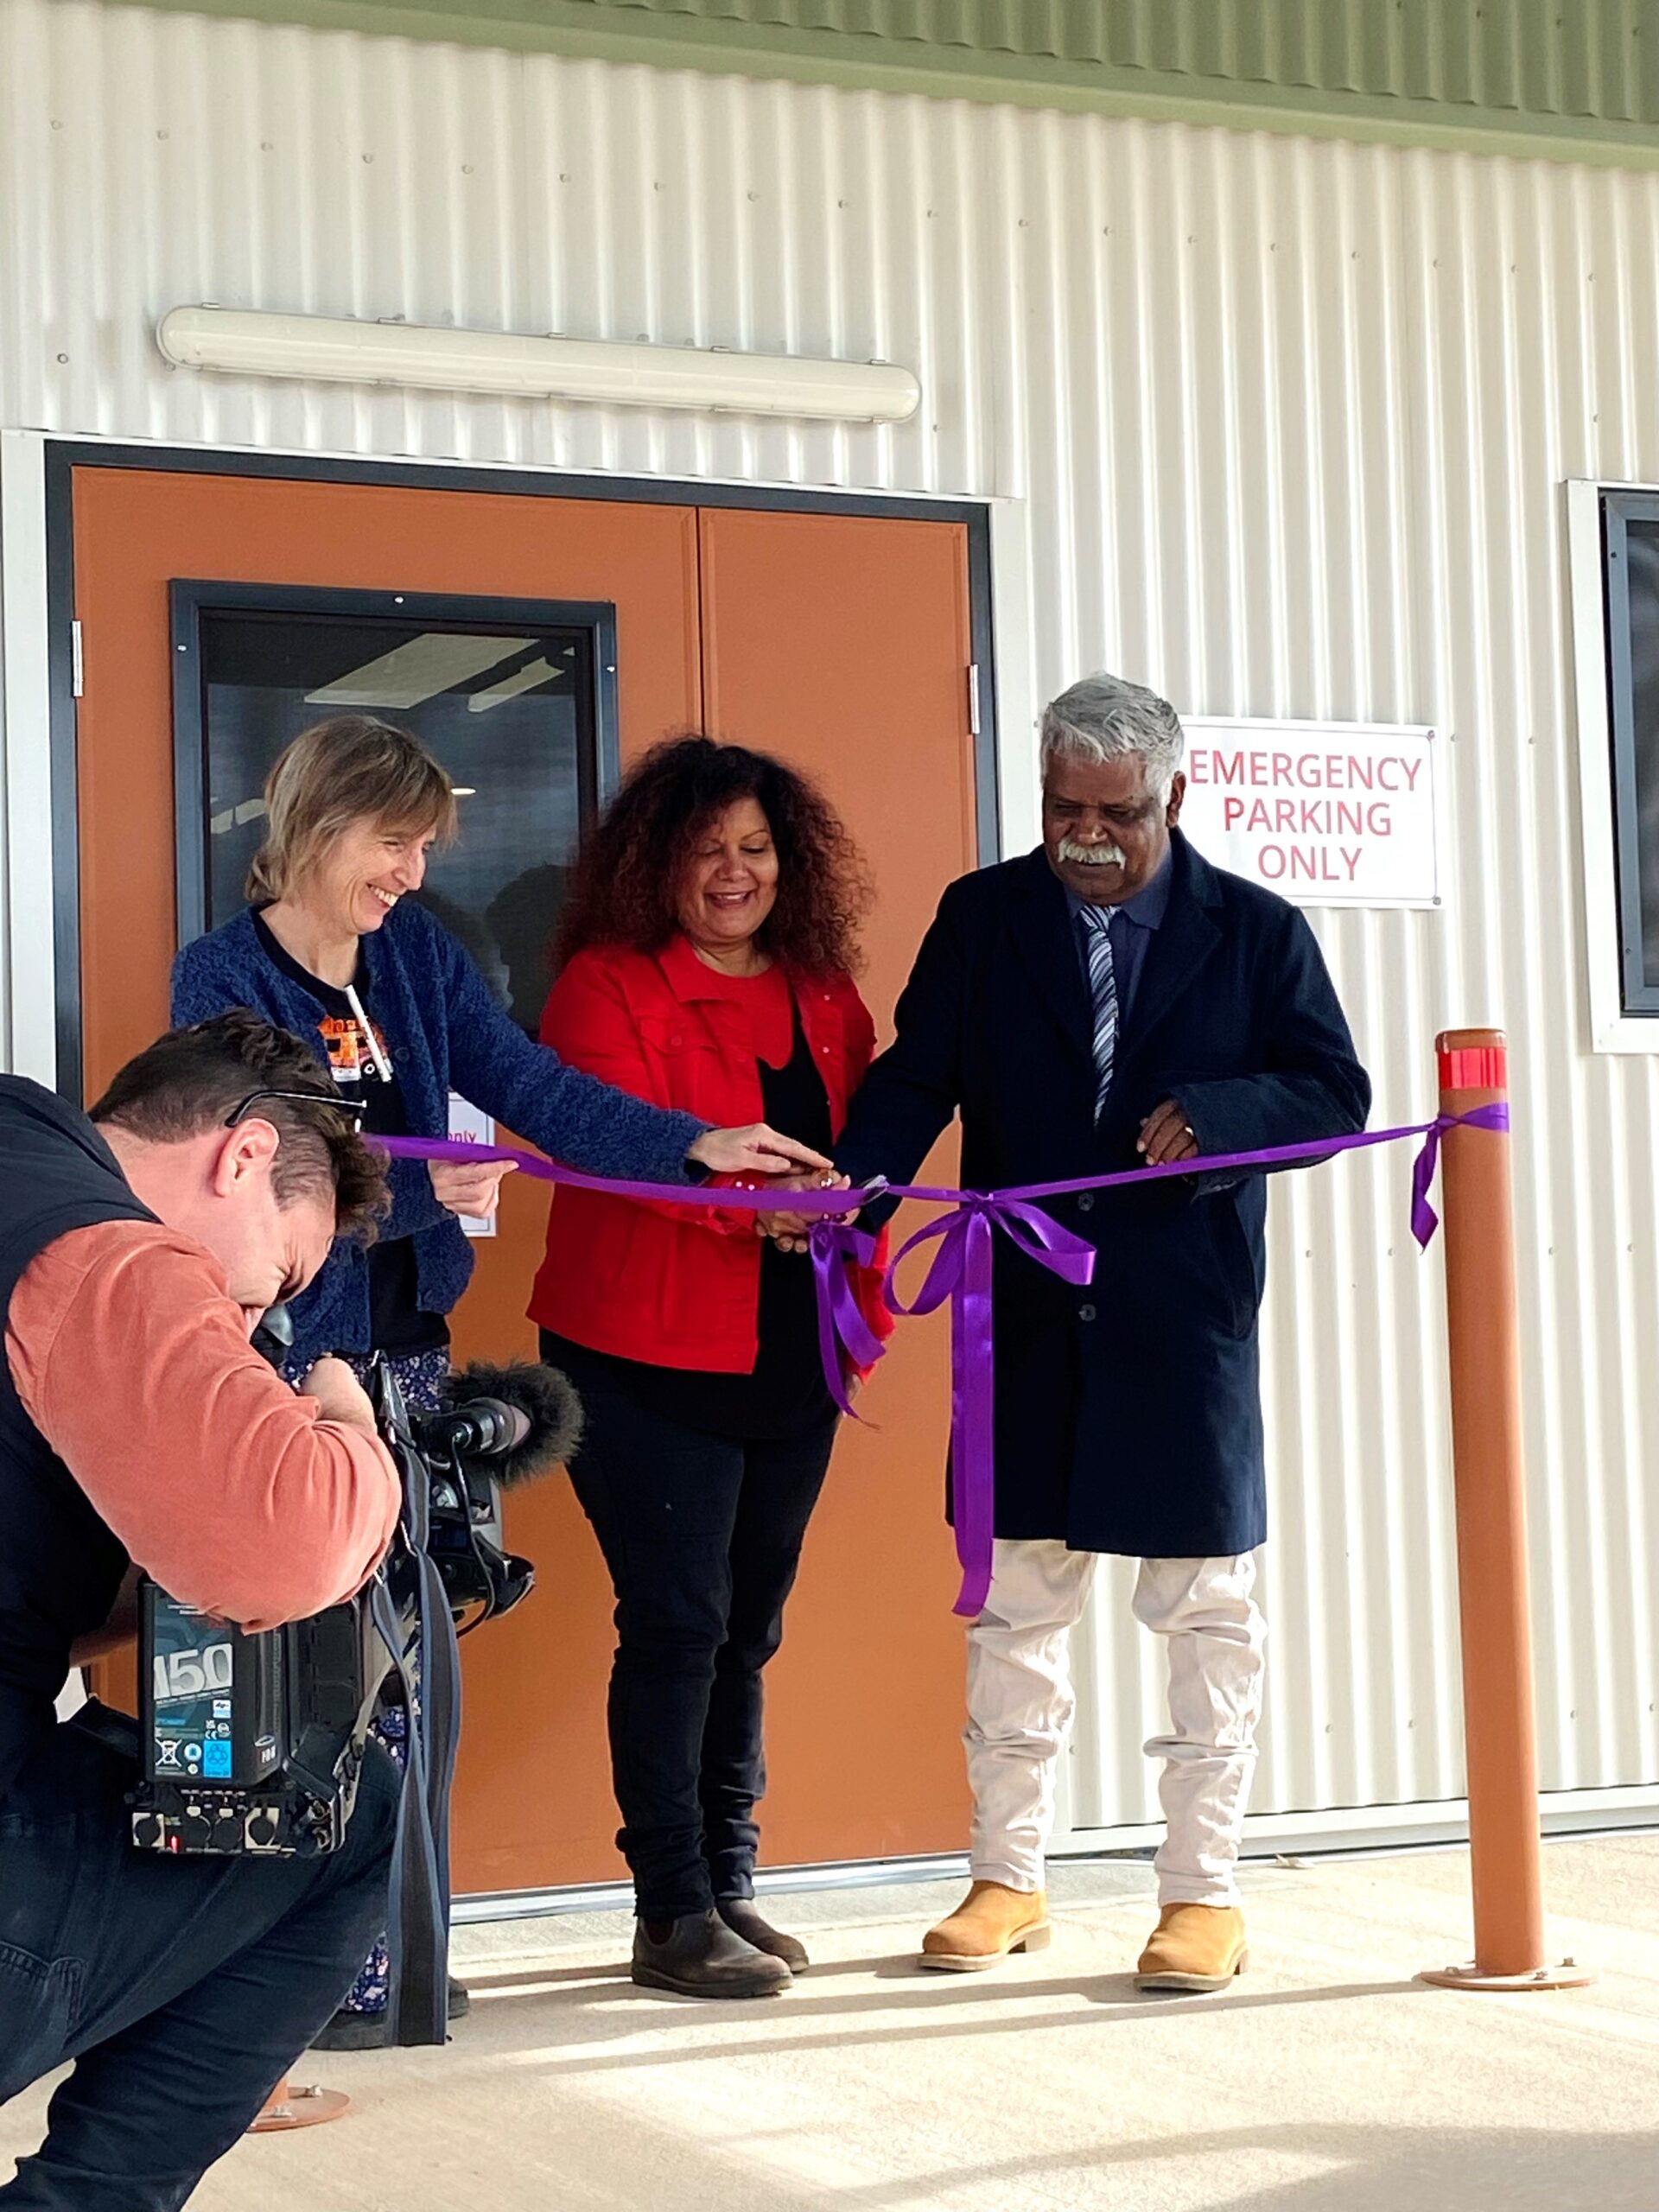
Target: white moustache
1091	855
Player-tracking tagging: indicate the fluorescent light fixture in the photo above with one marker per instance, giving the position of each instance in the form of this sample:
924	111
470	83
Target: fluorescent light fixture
417	670
336	349
539	670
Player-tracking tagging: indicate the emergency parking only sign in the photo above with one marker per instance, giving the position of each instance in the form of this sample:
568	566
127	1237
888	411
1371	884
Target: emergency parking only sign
1326	814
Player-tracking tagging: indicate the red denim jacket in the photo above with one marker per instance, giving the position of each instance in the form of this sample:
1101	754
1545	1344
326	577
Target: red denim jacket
678	1286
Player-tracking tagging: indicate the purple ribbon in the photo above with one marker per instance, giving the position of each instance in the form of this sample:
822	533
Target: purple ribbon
1424	1219
844	1336
743	1199
961	1270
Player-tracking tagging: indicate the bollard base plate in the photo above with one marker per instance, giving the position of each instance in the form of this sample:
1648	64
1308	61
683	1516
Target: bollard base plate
299	2106
1566	1975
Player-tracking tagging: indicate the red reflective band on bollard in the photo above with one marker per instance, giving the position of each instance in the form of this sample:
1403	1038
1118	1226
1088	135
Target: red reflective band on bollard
1482	1067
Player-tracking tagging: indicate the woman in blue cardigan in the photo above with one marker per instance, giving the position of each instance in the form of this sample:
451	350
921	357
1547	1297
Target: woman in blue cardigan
332	947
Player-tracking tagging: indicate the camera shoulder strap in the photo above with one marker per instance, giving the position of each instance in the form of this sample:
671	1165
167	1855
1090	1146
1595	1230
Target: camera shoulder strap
418	1924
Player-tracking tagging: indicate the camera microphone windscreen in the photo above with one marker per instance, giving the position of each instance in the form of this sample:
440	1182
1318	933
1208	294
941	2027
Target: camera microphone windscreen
545	1403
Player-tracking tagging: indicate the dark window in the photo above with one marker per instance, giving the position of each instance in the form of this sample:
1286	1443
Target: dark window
1632	548
515	699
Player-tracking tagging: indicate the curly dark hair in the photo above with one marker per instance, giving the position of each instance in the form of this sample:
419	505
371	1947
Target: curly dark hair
191	1079
624	886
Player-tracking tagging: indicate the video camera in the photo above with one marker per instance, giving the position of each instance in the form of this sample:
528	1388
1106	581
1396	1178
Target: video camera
253	1743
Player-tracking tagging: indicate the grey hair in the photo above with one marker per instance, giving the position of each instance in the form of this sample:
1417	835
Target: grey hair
1104	718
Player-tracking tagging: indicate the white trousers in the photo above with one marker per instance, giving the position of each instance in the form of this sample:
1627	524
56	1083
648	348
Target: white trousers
1020	1703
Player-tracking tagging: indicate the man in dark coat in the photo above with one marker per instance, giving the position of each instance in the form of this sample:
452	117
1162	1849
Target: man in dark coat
1111	1000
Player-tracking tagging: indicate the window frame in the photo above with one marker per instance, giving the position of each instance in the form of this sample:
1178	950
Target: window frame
599	761
1599	621
1639	997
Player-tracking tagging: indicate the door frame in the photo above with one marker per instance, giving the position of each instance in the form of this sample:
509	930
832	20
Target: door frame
62	456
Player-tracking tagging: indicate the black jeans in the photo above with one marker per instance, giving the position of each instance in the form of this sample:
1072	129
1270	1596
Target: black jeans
702	1535
182	1987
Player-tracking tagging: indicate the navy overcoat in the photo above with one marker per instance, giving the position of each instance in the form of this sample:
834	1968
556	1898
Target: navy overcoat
1129	1414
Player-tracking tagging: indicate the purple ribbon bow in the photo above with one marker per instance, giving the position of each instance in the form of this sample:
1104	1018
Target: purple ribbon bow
962	1272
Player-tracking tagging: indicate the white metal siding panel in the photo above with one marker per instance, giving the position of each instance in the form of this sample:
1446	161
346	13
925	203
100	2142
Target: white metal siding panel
1286	423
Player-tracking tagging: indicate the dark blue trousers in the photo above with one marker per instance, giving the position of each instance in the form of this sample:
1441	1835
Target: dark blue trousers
183	1988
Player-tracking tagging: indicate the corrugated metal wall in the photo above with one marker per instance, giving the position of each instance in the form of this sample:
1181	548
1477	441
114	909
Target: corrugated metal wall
1282	427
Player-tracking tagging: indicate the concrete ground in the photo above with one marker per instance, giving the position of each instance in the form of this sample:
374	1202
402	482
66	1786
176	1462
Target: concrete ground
1329	2081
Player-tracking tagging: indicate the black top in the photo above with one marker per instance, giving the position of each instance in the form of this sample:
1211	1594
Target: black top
61	1564
397	1324
786	1392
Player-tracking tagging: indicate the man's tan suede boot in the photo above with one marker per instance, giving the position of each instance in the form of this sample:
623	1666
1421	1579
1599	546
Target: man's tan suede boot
1194	1947
991	1921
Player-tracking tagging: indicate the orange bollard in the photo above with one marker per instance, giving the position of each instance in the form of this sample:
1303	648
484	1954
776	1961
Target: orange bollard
287	2107
1488	1476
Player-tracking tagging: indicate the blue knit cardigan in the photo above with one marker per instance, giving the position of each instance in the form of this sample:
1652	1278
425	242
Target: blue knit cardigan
445	1032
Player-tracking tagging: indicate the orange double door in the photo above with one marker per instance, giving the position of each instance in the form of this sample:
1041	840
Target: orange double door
837	639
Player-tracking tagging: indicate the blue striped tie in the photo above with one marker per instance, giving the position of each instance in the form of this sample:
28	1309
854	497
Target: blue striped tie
1102	990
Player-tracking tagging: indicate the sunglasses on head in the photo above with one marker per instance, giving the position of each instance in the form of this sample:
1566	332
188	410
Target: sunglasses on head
354	1108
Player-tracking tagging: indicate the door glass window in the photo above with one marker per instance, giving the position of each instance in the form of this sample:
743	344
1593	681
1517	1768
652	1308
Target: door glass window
512	708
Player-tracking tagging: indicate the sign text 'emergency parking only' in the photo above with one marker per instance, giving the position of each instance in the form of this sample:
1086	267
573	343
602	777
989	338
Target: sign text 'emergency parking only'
1326	814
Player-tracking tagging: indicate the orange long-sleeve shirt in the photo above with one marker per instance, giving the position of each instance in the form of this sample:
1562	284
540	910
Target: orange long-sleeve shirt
132	1361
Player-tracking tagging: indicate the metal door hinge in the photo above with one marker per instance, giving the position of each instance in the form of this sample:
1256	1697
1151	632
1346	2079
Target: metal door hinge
74	660
973	698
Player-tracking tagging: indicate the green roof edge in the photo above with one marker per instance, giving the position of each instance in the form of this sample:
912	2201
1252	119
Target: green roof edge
854	61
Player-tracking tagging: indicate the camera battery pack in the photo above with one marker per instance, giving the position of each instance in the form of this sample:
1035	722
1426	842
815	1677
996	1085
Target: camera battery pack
213	1705
213	1728
251	1742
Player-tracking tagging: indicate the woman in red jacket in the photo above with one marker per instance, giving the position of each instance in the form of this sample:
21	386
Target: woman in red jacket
704	960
